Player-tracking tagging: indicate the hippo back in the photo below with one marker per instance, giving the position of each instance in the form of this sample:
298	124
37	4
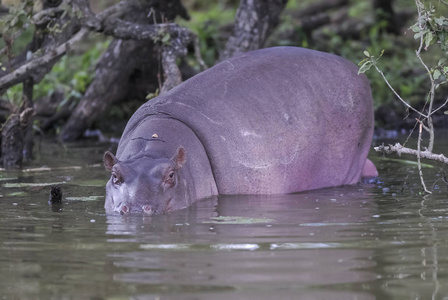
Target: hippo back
276	120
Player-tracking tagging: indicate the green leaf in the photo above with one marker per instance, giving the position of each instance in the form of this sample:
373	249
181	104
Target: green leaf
362	61
366	53
436	74
365	67
14	21
428	39
166	38
415	28
441	61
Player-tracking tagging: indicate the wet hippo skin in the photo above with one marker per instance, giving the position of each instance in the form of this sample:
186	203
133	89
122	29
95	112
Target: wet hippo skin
271	121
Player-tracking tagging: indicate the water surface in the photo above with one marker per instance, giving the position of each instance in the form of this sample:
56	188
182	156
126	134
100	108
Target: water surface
381	240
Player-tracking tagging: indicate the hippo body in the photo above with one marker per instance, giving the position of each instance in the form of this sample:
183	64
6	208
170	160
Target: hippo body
271	121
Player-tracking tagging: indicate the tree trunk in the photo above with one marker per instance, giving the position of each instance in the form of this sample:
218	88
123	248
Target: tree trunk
128	69
254	22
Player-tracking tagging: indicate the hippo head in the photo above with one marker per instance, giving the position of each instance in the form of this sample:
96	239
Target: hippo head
148	184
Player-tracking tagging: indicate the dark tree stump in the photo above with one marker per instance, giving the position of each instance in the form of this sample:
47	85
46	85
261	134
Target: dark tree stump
13	137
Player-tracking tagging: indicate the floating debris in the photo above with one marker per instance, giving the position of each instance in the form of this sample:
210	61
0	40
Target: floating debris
26	184
55	195
238	220
87	198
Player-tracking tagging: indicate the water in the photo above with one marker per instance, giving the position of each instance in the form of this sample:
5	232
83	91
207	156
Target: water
382	240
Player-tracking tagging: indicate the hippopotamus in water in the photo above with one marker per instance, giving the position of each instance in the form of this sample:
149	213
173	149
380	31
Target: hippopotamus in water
271	121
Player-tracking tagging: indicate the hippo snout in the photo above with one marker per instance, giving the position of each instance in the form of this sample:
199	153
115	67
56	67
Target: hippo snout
123	209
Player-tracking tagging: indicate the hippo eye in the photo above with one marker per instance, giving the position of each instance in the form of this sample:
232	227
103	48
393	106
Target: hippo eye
168	179
115	179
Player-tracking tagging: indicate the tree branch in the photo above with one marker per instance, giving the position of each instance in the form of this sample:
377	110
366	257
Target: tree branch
399	149
398	95
108	23
419	164
24	71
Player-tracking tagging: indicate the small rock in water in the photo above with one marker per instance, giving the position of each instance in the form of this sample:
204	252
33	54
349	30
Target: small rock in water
55	195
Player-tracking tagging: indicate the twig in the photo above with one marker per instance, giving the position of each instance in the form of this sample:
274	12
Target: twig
405	183
441	106
398	95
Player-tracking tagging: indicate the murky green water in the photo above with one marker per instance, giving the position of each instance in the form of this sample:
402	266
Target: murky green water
369	241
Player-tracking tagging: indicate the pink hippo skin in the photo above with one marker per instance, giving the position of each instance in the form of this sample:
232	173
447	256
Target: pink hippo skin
271	121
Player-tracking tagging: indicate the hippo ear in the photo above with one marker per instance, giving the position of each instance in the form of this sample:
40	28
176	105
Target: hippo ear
109	160
180	158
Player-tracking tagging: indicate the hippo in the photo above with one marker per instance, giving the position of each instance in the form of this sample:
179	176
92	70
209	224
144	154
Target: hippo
271	121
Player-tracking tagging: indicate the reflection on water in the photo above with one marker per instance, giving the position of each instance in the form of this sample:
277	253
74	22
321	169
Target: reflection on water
369	241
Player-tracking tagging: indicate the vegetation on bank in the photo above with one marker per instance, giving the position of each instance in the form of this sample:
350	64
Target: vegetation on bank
212	23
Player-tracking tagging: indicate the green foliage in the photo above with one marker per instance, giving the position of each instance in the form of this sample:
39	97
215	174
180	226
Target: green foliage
359	8
162	37
17	18
16	28
430	30
208	25
368	62
14	95
72	74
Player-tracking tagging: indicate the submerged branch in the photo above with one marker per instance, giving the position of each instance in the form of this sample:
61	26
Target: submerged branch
399	149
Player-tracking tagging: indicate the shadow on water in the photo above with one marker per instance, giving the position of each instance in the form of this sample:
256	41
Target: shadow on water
368	241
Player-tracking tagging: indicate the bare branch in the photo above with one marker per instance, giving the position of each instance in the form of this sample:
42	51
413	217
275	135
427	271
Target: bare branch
398	95
399	149
441	106
21	73
116	10
46	15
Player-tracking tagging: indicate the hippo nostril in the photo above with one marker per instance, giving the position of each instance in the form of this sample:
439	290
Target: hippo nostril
124	209
147	209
